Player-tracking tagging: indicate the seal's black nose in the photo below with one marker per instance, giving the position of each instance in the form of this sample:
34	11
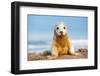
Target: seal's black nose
61	32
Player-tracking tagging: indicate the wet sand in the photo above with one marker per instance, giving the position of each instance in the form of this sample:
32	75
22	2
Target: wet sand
83	53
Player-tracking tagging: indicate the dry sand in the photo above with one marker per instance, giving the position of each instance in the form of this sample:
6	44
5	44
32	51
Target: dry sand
83	53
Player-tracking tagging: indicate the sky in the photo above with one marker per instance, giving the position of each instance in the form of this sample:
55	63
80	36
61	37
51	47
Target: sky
41	27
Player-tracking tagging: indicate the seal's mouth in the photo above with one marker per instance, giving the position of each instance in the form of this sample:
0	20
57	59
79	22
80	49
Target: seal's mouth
61	35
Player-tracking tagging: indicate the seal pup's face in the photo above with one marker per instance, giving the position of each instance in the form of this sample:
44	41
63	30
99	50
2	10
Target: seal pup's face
60	29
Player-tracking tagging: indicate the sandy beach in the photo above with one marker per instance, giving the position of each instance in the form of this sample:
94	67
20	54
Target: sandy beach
83	53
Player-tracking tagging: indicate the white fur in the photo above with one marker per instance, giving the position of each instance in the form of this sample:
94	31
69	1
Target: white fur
57	32
61	26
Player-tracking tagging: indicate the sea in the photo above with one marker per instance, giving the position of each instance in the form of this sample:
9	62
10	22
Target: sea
41	46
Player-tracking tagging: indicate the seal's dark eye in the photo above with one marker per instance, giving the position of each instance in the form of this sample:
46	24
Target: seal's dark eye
57	28
64	27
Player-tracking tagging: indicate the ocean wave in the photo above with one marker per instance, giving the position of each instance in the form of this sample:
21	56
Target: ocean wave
46	45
